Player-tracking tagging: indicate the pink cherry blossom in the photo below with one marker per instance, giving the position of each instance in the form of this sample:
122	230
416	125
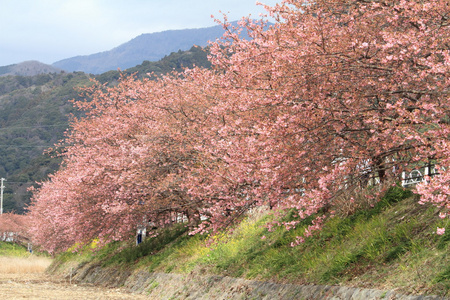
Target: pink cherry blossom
289	120
440	231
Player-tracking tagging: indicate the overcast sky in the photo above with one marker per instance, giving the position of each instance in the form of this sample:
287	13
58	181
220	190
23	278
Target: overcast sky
51	30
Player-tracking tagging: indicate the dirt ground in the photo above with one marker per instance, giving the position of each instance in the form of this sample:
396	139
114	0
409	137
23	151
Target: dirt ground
41	286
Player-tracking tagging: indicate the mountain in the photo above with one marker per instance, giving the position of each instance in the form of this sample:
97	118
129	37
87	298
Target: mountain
28	68
176	61
150	47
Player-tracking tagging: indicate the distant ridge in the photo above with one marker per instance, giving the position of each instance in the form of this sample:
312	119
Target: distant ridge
28	68
150	47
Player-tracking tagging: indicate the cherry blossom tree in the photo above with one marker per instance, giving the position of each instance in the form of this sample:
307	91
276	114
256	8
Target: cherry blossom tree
13	227
123	164
334	95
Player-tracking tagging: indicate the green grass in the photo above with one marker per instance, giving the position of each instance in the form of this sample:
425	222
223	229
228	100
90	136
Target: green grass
392	245
12	249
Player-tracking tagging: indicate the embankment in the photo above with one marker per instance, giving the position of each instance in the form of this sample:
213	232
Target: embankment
196	286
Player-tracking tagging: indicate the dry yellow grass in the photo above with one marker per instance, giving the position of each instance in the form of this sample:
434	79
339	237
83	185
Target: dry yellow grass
23	265
24	278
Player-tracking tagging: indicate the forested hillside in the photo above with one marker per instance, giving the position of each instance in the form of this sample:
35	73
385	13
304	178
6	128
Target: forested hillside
28	68
34	113
176	61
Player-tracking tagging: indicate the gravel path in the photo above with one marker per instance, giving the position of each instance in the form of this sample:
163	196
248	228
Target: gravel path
40	286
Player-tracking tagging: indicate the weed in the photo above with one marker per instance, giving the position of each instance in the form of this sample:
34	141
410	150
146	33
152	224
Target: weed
153	285
12	249
149	247
443	241
443	276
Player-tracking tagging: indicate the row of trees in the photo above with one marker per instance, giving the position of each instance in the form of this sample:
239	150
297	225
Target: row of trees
333	94
14	228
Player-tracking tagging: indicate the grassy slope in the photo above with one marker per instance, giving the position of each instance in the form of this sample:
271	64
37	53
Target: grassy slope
391	246
12	249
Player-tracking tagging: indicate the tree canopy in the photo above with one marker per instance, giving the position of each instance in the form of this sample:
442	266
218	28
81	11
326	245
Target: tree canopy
334	95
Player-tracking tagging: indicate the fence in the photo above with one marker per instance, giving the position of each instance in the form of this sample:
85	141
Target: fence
418	175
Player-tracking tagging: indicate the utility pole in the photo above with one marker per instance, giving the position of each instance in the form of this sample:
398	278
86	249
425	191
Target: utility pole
1	195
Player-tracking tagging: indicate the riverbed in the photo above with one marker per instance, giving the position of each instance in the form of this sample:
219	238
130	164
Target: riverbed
24	278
